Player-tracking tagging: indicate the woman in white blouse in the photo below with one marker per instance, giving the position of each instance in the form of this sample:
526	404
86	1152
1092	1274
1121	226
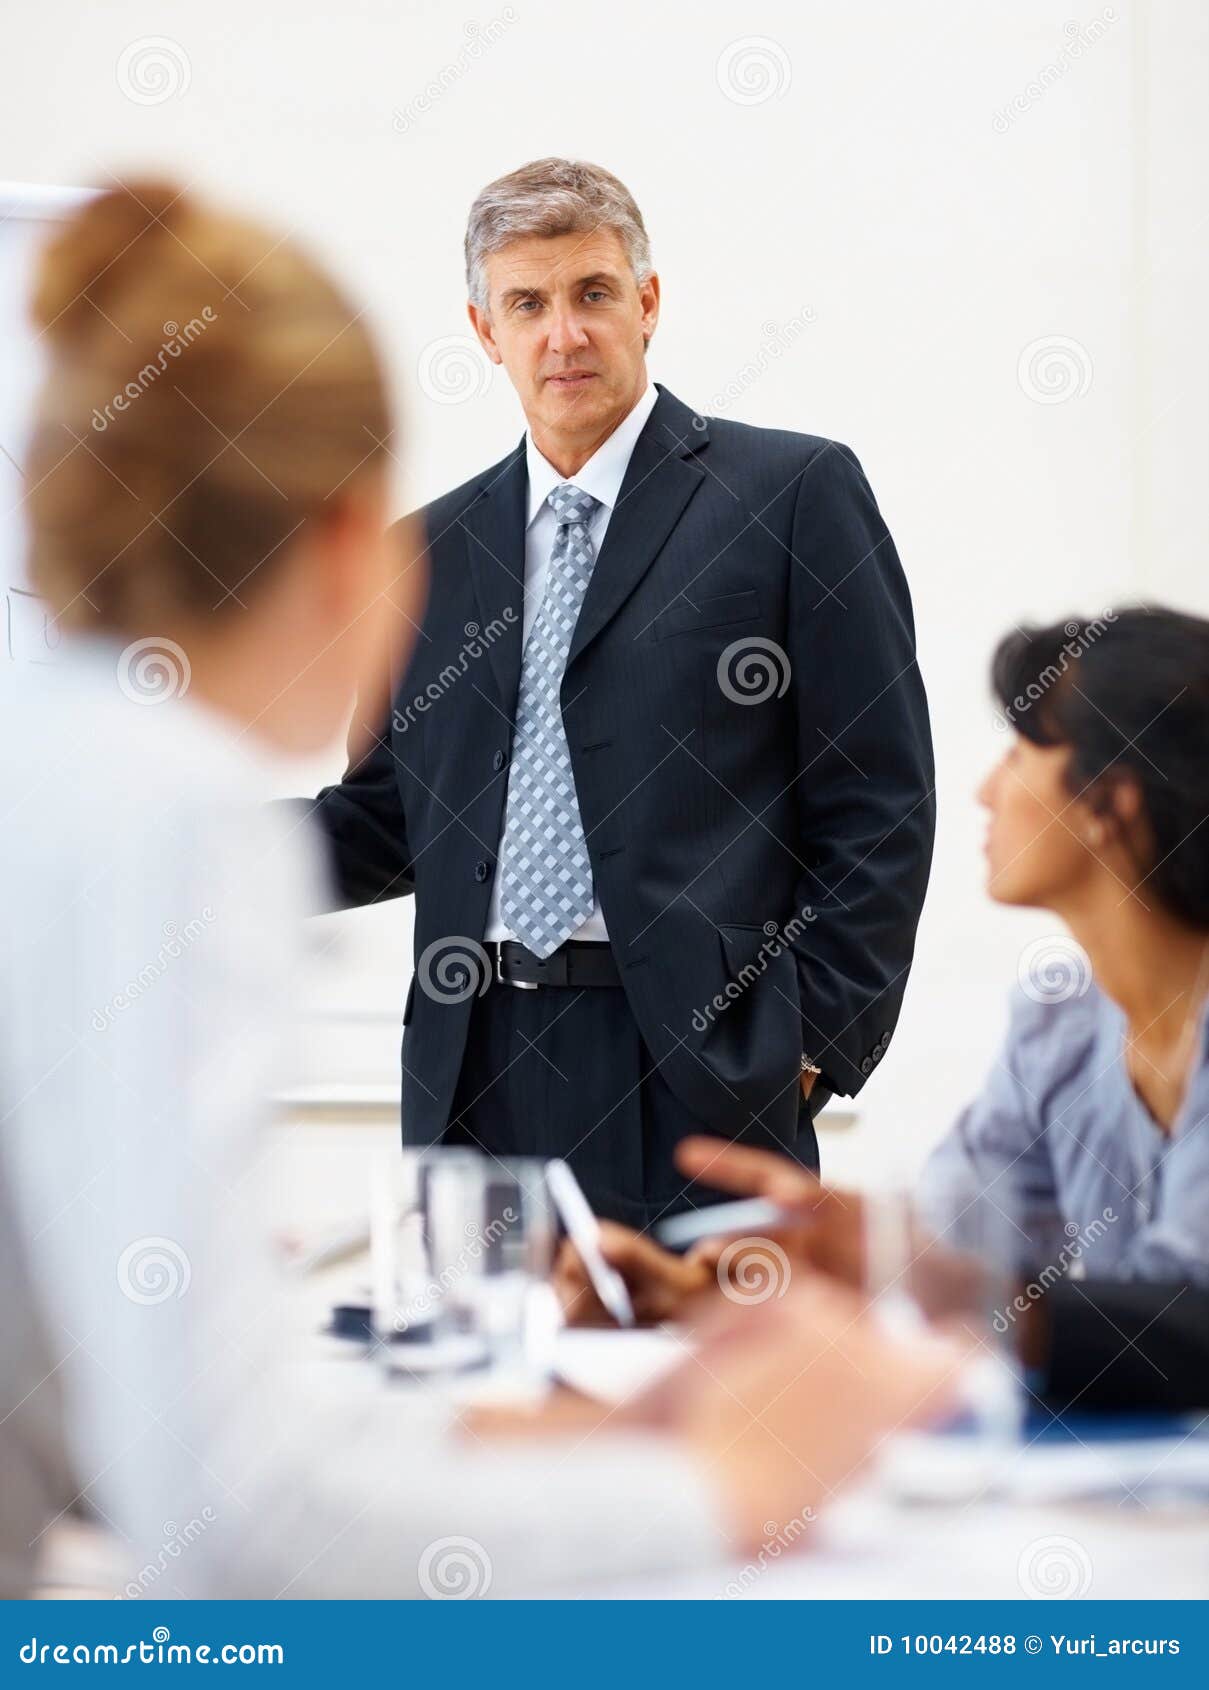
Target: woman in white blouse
207	500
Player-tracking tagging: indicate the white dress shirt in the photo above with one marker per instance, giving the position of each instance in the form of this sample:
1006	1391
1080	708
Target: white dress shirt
151	945
602	477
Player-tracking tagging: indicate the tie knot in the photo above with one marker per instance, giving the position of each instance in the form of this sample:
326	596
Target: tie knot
570	505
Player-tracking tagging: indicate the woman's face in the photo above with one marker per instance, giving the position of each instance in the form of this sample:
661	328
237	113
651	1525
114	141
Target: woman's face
1041	841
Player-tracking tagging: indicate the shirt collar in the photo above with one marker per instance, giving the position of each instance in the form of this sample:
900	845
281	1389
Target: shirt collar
604	471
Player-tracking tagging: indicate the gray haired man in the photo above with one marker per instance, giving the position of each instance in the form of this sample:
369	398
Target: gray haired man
659	773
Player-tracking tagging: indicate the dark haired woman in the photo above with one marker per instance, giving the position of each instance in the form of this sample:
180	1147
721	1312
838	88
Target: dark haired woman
1096	1114
1097	1110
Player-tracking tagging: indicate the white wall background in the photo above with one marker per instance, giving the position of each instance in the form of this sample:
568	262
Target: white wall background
936	187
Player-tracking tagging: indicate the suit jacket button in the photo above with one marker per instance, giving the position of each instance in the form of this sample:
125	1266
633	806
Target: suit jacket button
498	761
867	1065
481	870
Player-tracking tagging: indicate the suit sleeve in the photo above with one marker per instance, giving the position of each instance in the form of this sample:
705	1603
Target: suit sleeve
1125	1344
365	830
865	781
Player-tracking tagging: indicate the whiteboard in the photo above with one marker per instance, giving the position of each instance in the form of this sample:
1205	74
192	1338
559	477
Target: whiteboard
27	211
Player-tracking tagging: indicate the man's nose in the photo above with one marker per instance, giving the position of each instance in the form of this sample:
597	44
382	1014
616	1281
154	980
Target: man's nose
567	333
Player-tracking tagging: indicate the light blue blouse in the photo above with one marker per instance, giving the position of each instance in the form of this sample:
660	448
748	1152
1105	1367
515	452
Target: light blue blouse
1058	1131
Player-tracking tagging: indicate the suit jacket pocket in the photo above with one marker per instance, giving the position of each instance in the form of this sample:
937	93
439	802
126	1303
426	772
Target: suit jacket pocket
683	617
747	949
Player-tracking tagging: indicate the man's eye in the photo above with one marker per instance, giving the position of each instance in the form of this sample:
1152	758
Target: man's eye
526	303
595	293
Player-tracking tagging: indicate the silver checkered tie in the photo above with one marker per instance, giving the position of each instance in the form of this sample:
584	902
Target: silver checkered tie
545	874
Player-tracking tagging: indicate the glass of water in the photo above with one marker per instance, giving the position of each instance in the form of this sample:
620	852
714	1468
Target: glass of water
463	1250
949	1263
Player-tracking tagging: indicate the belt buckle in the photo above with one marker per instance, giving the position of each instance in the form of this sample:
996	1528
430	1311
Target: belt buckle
517	985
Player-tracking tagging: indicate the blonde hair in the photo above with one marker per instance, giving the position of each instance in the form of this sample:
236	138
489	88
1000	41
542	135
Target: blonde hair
209	390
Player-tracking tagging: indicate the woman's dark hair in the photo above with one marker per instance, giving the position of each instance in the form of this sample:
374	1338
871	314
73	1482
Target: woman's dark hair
1128	692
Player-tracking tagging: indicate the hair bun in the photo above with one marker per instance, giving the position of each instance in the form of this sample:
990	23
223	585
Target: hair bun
219	388
89	264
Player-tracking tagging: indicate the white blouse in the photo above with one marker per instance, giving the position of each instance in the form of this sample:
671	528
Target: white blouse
151	946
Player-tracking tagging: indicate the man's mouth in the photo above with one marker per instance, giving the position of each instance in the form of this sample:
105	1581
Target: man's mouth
572	378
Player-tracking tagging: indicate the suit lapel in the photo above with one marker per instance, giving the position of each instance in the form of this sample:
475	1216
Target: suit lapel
660	479
495	543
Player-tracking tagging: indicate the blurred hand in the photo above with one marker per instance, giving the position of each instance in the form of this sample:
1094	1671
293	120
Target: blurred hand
785	1401
781	1403
660	1284
823	1228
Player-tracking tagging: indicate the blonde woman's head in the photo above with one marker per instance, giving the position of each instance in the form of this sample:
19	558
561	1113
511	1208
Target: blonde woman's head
208	462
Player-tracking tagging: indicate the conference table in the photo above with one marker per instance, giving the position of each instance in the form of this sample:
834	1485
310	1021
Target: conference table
1084	1506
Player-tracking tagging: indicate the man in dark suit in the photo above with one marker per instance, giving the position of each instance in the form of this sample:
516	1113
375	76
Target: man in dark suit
659	772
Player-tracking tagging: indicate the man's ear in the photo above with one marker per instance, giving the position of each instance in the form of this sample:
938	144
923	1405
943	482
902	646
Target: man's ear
480	322
649	295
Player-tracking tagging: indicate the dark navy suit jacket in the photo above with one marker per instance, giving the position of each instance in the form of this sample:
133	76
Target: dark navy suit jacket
750	742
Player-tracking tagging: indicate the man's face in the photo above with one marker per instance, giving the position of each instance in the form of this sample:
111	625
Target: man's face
569	323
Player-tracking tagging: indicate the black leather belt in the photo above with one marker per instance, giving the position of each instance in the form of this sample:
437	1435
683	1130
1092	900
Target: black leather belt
577	963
